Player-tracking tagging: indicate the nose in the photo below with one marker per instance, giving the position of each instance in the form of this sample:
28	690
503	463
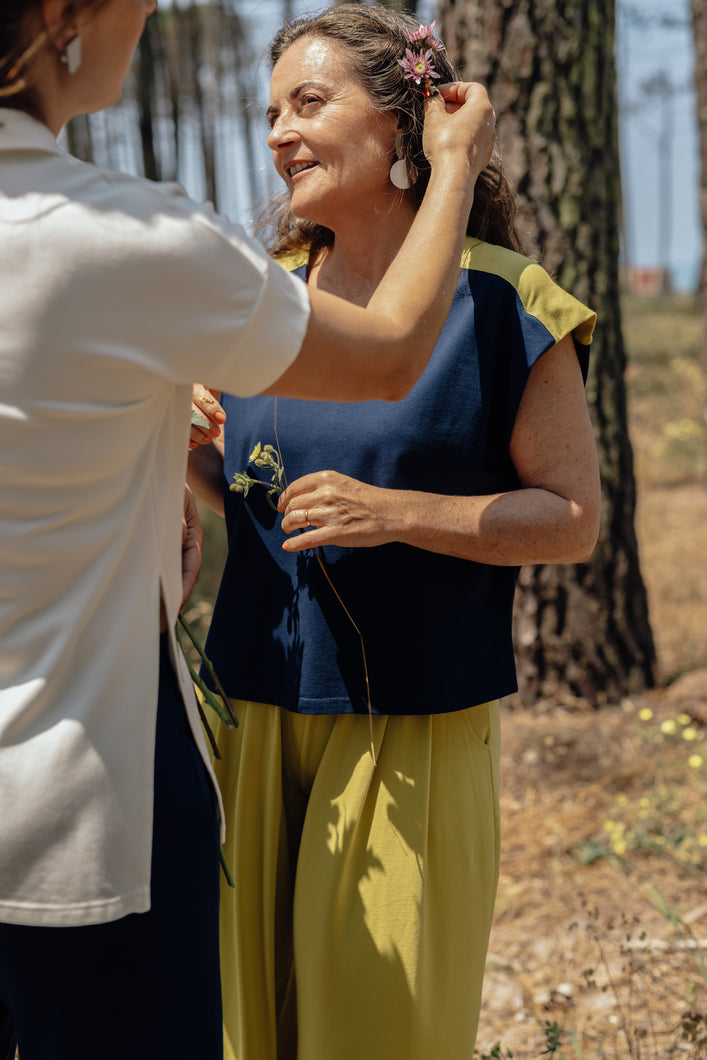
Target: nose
282	133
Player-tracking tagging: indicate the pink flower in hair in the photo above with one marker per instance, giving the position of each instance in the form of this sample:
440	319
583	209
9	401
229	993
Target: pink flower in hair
418	65
423	36
421	32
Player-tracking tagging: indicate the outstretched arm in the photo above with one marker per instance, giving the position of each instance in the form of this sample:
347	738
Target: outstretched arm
553	518
351	353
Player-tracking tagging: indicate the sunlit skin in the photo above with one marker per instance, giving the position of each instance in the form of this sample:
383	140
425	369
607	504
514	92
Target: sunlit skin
321	118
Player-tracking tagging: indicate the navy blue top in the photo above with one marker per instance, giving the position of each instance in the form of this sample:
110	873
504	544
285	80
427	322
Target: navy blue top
436	629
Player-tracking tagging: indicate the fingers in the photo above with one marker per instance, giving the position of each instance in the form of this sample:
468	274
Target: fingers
464	108
328	508
207	416
300	492
301	514
463	91
306	505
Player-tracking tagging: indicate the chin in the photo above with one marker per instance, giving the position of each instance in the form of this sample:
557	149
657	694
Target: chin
106	101
314	212
317	202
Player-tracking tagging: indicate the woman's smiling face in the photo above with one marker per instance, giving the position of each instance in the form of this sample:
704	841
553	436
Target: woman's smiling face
329	144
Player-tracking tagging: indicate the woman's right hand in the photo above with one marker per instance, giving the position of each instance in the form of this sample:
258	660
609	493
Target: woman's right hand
459	123
207	416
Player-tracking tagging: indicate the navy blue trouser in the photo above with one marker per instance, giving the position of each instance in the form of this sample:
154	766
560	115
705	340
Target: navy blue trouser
147	986
7	1034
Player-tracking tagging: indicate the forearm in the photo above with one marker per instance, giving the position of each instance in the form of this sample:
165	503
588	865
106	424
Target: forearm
381	350
524	526
393	337
552	517
532	524
205	475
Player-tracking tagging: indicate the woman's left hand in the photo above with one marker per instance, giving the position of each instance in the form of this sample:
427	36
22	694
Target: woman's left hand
334	509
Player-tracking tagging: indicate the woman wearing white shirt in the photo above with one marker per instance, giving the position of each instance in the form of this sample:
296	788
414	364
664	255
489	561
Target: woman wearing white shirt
114	294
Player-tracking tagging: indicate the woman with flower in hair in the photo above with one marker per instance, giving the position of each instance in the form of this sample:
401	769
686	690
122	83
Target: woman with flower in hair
115	293
361	787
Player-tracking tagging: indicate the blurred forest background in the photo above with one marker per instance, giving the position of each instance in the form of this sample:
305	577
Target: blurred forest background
600	943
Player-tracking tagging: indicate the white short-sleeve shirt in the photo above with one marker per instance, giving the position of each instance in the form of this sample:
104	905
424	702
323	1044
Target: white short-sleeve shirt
115	294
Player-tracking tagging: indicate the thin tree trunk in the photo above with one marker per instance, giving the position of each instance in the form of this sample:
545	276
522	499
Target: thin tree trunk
172	79
79	139
147	99
580	630
193	26
243	78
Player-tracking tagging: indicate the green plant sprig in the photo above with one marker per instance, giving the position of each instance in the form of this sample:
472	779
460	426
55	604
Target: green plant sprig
266	457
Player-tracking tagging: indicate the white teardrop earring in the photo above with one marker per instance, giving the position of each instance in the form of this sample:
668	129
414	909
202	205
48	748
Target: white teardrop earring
71	56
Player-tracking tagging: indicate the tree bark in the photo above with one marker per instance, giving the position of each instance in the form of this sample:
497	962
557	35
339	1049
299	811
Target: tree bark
581	631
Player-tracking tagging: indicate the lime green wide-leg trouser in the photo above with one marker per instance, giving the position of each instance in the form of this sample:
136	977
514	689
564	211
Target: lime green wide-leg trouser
363	899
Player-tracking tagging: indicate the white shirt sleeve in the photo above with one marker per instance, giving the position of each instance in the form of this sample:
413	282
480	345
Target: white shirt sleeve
169	286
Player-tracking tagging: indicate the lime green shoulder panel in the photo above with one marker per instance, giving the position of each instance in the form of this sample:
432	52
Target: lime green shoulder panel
539	295
293	260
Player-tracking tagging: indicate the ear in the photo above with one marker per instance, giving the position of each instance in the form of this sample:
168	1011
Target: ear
58	18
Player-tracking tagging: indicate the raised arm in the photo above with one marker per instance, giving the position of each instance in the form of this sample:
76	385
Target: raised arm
553	518
410	303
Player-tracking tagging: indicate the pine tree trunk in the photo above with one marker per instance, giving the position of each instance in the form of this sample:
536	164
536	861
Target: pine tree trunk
580	630
243	76
699	25
79	139
193	26
146	98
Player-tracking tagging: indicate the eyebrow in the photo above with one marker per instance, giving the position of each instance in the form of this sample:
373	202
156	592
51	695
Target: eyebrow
272	110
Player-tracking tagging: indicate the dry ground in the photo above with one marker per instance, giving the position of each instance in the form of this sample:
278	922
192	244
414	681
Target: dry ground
565	908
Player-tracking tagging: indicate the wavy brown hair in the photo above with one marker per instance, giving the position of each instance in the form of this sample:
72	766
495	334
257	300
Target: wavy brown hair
374	38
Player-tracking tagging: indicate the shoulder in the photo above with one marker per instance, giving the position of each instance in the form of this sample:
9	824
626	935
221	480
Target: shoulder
537	293
294	260
146	224
131	204
84	182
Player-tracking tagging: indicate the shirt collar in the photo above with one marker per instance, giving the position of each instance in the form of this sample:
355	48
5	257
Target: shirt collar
22	132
